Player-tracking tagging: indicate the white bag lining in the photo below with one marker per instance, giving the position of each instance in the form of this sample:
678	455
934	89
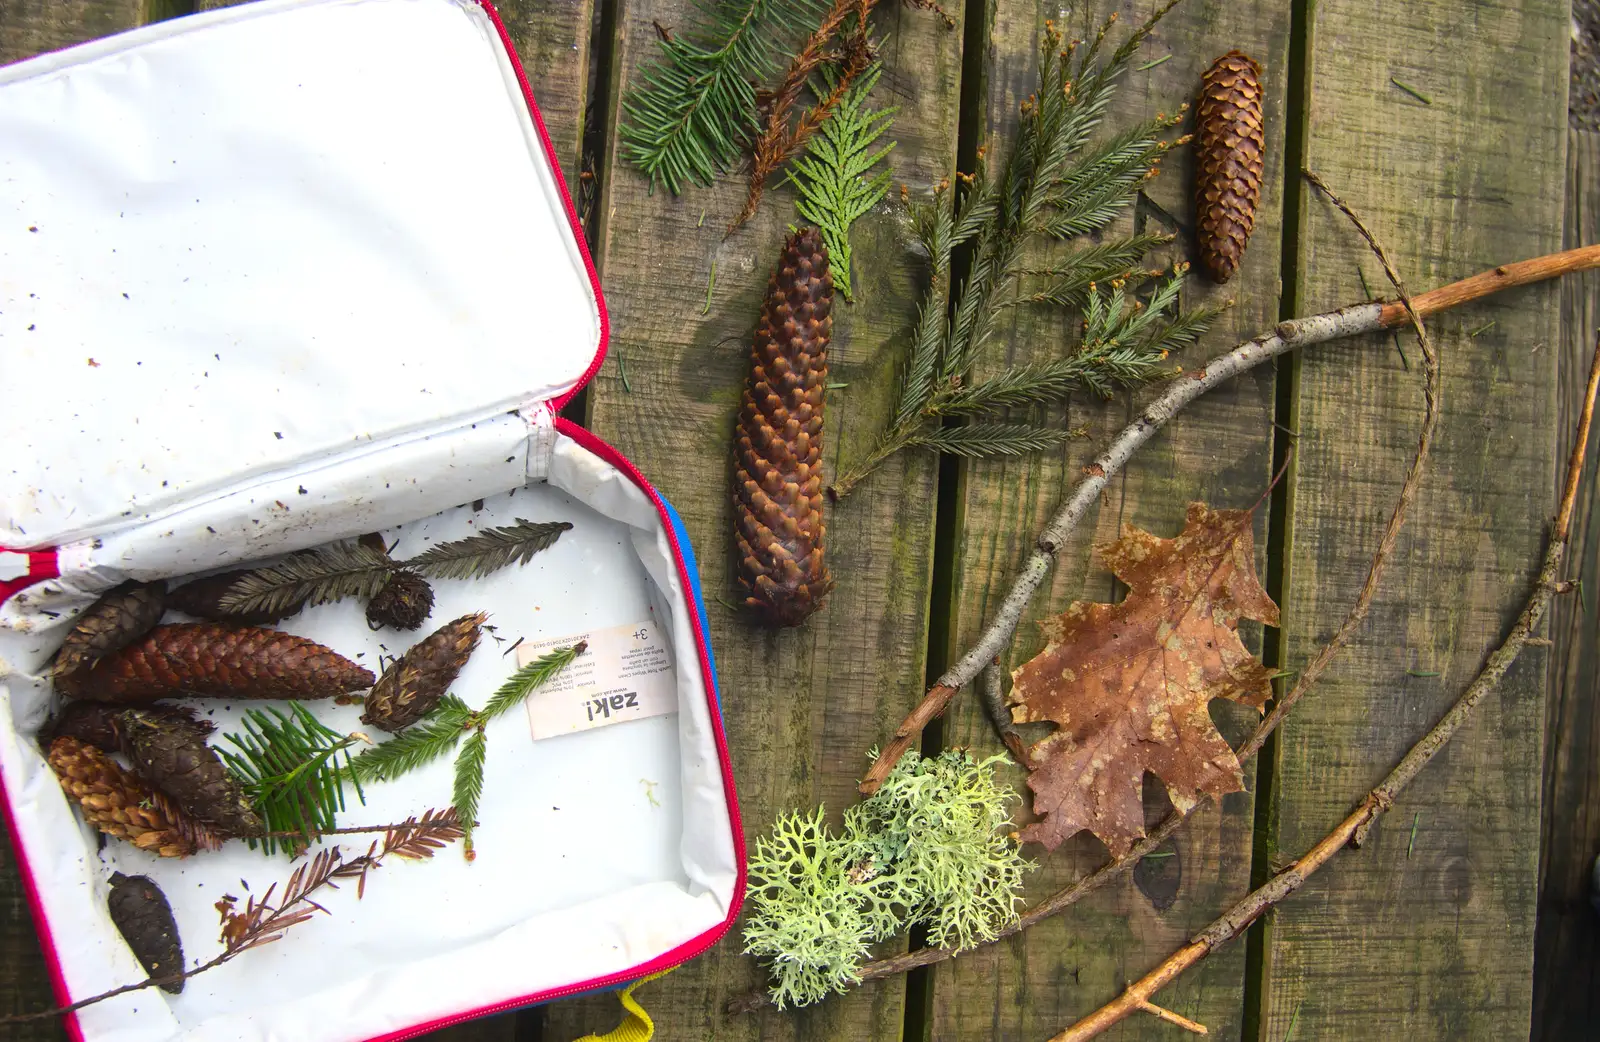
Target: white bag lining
281	274
637	861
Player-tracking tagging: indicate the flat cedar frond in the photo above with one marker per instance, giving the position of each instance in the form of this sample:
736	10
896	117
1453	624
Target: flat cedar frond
289	767
488	551
832	176
529	679
1061	179
328	573
469	784
431	738
694	109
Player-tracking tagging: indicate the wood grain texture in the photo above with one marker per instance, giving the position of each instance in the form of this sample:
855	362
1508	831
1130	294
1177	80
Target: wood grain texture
552	40
1566	976
803	706
1218	451
30	27
1431	939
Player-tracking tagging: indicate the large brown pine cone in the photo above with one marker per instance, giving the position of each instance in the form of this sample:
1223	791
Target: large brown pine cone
777	454
116	620
1230	148
171	753
416	681
119	803
214	659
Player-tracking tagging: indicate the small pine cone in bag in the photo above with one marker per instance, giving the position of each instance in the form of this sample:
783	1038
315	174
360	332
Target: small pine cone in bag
1230	148
141	914
214	659
172	754
99	725
777	454
414	683
202	598
119	803
116	620
404	603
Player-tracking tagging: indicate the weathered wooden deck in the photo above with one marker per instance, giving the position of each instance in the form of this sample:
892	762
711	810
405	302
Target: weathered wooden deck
1430	931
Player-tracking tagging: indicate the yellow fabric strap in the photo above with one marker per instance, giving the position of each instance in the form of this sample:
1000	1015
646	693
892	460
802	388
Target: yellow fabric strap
636	1024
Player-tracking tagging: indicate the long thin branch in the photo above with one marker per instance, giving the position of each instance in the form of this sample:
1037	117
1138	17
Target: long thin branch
989	679
1287	336
1354	828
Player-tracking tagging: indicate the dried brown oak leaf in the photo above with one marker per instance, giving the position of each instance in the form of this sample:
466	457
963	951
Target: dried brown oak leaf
1129	685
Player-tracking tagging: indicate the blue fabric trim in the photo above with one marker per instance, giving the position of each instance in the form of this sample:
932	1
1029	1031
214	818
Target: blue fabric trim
695	594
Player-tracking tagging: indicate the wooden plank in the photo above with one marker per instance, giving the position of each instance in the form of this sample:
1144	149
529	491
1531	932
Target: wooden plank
552	40
1566	1003
1430	938
30	27
801	706
1218	451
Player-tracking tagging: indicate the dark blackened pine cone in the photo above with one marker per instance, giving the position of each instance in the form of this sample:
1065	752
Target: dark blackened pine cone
120	803
202	598
415	682
100	725
214	659
777	455
141	914
404	603
1230	149
116	620
172	754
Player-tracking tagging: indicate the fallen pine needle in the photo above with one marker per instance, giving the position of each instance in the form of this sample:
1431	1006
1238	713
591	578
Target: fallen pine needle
1414	92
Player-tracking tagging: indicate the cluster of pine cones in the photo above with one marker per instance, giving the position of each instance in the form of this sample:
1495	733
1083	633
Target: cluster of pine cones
178	797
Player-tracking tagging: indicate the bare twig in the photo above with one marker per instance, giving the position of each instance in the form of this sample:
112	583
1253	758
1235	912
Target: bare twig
1354	828
1287	336
261	923
994	703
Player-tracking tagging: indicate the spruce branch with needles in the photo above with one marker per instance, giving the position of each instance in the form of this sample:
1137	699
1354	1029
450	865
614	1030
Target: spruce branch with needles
1059	183
290	769
436	735
339	570
694	109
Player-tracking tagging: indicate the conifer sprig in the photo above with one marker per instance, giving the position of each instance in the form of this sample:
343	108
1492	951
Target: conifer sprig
291	771
694	109
1059	182
339	570
833	175
437	734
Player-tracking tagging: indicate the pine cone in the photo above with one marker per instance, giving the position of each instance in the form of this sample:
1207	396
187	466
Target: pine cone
172	754
202	598
95	724
1229	148
777	479
141	914
118	802
116	620
414	683
214	659
404	603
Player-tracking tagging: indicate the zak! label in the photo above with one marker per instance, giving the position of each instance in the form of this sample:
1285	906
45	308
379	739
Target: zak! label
626	674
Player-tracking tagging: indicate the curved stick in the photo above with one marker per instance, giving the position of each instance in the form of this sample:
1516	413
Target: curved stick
1287	336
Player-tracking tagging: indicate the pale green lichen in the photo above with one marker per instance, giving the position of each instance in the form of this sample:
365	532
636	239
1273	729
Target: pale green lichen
932	846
